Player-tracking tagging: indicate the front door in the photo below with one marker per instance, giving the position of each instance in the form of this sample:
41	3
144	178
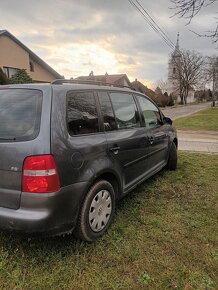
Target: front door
128	144
158	139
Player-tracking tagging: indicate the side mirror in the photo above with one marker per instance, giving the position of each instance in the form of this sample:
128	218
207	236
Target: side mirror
167	121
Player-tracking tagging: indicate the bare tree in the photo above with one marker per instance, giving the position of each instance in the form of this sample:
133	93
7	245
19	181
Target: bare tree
190	8
163	85
188	73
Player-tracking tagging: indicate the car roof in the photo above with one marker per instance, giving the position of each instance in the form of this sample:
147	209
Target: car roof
69	86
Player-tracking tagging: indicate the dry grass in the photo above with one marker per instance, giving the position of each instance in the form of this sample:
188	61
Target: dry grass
165	236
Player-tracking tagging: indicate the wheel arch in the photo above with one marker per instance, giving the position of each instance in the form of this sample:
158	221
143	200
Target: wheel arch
113	180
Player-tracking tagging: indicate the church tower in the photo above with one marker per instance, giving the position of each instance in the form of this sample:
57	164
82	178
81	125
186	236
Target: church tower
175	59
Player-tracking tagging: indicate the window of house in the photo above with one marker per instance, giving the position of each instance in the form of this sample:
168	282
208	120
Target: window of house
150	112
174	70
31	66
107	112
125	110
82	117
9	71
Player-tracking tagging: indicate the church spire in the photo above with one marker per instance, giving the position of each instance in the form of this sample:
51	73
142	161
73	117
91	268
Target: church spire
177	42
177	50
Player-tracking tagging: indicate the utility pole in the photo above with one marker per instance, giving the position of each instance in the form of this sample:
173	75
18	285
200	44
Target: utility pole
214	80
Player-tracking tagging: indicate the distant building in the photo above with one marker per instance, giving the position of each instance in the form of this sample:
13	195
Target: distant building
15	55
157	96
118	79
138	86
173	82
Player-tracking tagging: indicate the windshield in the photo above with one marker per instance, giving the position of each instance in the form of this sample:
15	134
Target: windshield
20	113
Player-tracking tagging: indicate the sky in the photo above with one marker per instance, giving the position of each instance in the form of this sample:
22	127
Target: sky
76	37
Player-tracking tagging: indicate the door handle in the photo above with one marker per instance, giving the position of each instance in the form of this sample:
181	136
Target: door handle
151	139
115	149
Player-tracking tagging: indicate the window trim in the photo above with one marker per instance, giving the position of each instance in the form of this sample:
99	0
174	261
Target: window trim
7	70
32	66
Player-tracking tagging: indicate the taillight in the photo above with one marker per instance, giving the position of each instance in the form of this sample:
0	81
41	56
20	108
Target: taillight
40	174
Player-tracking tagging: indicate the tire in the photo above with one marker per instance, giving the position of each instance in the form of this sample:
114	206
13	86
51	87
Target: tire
172	159
97	212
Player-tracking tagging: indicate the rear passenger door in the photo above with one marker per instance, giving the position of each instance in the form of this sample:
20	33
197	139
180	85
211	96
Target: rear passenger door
158	137
127	143
80	148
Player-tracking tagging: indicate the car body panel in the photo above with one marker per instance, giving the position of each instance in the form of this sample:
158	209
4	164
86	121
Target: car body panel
12	154
81	160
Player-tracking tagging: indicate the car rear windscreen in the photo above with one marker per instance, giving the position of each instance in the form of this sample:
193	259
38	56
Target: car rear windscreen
20	114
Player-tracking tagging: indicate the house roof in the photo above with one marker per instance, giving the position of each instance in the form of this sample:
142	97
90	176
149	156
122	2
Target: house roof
106	78
32	54
143	89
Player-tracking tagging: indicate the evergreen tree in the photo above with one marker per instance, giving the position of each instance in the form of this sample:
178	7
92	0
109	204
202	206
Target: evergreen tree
20	77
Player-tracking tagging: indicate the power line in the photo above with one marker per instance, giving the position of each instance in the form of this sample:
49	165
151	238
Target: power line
161	27
155	23
152	23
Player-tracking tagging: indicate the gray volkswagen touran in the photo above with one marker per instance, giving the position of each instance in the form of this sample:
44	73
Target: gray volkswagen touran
69	151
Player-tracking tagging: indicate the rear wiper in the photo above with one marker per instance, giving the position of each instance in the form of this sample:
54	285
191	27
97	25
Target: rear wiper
8	139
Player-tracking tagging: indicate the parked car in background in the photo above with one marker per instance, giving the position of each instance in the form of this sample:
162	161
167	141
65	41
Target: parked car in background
69	150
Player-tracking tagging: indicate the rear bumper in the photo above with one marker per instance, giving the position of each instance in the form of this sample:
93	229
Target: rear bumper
50	214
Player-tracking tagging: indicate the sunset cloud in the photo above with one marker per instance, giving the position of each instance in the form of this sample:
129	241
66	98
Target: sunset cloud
75	37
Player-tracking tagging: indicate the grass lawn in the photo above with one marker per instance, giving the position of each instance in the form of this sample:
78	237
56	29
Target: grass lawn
165	236
203	120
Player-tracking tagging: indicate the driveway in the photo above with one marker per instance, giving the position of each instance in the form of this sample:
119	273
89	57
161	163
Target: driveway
198	141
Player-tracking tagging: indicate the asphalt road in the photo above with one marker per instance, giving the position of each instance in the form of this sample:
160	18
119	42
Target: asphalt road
197	141
182	111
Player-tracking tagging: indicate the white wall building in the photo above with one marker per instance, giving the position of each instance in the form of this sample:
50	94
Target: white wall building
173	82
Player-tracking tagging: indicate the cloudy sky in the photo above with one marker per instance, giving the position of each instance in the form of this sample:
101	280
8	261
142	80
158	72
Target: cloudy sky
77	36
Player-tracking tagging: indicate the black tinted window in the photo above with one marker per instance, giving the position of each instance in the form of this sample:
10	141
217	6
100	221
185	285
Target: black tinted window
125	110
150	112
82	114
20	113
107	112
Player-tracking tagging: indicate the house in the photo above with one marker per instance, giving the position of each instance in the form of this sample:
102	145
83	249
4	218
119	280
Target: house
157	96
138	86
118	79
15	55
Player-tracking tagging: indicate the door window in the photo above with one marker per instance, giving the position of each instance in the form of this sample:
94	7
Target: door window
82	117
125	110
150	112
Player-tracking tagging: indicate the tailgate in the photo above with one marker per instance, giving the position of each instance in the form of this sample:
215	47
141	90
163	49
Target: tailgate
20	118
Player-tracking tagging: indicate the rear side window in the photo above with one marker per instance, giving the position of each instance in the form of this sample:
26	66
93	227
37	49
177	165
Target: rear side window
150	112
107	112
125	110
20	114
82	116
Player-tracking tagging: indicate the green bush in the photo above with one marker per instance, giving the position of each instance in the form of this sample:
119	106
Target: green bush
20	77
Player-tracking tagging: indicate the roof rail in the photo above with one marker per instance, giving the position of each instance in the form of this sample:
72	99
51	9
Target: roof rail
88	82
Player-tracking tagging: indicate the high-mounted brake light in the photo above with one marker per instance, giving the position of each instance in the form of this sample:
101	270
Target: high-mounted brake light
40	174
